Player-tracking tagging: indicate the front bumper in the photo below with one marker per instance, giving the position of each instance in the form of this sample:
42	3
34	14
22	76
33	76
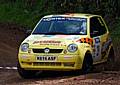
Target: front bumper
61	63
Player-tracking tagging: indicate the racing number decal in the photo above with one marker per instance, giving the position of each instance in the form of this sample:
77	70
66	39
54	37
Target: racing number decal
97	47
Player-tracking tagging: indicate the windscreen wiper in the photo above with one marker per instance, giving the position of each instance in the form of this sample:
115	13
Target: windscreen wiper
55	33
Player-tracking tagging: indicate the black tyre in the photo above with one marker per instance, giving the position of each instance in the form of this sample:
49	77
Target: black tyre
26	73
87	64
111	60
111	56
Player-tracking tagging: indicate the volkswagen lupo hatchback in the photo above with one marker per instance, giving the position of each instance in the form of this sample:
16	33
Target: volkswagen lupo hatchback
64	43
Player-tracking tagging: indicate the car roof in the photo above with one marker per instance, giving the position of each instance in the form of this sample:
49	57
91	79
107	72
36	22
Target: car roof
73	15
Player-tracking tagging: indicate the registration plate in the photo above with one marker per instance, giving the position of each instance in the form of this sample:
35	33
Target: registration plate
46	58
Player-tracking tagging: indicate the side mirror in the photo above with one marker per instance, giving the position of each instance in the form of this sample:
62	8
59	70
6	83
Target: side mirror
28	32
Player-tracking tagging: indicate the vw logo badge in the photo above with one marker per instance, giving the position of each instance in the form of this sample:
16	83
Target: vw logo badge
46	50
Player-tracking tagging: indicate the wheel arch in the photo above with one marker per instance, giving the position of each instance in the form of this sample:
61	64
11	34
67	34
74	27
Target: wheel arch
88	54
87	64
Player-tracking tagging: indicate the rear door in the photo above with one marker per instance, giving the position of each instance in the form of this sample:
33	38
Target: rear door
99	34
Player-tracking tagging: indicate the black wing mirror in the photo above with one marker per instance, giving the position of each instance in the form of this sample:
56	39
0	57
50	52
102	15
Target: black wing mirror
28	32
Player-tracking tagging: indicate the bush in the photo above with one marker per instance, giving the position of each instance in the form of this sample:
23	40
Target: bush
28	12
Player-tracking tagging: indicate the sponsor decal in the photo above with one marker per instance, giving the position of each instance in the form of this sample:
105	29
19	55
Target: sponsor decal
96	47
46	41
72	37
51	44
61	36
48	35
64	19
86	40
97	40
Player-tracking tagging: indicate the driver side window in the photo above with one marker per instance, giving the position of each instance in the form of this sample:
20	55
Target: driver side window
97	28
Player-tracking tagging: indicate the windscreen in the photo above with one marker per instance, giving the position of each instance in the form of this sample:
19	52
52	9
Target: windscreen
62	25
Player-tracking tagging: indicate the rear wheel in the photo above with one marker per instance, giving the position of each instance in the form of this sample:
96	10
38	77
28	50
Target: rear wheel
111	60
111	56
26	73
87	64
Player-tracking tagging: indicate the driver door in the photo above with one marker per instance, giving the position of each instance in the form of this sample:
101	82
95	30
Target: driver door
99	34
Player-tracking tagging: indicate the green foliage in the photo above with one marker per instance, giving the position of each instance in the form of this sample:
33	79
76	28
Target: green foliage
115	30
23	12
29	12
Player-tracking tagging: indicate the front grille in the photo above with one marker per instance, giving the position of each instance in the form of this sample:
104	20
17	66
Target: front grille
46	64
51	50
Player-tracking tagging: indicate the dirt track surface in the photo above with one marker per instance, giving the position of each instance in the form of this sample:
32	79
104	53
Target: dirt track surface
11	77
11	36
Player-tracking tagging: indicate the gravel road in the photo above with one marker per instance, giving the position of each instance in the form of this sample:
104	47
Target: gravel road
10	37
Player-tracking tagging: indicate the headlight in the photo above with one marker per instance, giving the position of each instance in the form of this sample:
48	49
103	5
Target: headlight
24	47
72	48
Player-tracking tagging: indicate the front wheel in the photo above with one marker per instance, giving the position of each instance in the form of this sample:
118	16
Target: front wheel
87	64
26	73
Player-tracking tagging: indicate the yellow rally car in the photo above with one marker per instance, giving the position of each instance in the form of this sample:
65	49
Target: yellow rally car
64	43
